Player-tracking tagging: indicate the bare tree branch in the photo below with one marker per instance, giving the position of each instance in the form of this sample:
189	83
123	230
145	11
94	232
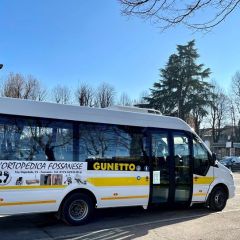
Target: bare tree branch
219	111
105	95
61	94
124	100
236	90
169	13
85	95
18	86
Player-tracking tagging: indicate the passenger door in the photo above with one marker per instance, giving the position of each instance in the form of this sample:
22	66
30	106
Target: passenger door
183	167
160	167
171	180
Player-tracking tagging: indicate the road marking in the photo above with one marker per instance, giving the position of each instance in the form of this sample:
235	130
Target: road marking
116	235
108	235
126	237
86	235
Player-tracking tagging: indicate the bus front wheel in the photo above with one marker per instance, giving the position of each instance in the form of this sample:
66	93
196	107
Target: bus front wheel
77	209
218	199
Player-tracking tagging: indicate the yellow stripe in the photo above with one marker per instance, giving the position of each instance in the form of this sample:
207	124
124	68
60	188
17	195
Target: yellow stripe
31	187
199	194
203	180
125	197
26	203
118	181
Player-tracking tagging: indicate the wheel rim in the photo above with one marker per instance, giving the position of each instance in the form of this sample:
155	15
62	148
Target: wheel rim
220	199
78	210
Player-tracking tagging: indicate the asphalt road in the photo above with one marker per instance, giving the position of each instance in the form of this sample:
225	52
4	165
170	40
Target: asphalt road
195	223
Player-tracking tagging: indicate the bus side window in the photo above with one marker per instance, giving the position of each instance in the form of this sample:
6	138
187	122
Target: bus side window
131	144
201	158
48	140
182	158
106	142
28	139
96	142
160	150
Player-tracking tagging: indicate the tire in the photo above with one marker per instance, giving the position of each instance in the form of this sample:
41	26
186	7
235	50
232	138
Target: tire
218	199
77	209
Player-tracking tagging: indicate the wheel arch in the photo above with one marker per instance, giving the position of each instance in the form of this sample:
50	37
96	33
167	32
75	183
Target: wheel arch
222	185
78	190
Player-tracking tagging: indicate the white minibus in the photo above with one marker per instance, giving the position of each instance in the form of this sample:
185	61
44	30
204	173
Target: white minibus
72	160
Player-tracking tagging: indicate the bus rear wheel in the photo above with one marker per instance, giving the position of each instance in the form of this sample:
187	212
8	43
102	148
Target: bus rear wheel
77	209
218	199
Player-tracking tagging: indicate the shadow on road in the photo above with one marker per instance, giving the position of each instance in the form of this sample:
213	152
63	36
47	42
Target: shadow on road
118	223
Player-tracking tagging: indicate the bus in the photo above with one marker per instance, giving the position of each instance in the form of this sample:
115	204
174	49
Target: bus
72	160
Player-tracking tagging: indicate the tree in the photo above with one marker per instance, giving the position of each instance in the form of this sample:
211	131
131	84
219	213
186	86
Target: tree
61	94
124	100
168	13
181	90
199	100
142	97
105	95
34	90
235	125
42	94
235	104
85	95
219	111
236	89
141	101
18	86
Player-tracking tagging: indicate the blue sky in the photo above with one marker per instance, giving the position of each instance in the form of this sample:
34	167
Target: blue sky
66	42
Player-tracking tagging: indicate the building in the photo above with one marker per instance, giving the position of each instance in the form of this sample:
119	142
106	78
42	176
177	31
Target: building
228	143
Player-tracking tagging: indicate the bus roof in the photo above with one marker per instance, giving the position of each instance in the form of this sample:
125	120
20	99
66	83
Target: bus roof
20	107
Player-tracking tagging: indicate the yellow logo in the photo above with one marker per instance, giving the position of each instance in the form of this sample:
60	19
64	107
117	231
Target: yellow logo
114	166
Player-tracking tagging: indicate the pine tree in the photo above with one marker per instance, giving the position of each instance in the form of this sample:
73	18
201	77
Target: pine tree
181	90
